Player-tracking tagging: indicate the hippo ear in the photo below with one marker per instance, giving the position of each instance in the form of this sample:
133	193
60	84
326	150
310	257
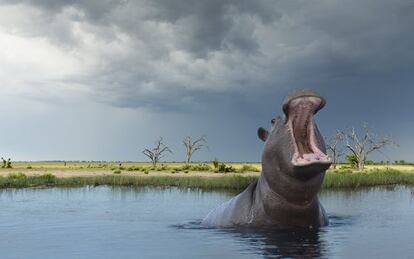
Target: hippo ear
262	133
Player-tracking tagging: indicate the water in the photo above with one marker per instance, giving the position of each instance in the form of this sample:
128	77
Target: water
105	222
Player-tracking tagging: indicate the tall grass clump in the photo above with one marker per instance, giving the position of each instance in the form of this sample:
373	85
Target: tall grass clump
16	176
47	179
13	180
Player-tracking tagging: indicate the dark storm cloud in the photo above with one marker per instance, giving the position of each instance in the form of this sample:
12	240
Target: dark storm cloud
175	53
219	68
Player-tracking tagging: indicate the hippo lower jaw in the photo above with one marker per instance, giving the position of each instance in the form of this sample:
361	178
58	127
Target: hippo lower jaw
300	111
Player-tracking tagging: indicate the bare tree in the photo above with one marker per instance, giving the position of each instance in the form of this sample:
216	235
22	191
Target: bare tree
157	152
362	146
192	146
335	147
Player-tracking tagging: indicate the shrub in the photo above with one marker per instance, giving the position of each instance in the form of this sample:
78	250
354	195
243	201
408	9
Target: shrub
29	167
186	167
201	167
223	168
215	163
163	167
353	160
117	172
134	168
198	167
6	163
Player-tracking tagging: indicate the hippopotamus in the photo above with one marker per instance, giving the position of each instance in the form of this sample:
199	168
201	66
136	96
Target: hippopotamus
294	162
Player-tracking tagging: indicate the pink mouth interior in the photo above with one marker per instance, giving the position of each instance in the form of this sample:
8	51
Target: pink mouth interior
301	125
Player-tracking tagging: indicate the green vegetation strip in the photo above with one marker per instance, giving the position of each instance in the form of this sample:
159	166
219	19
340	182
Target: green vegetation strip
335	179
350	179
225	182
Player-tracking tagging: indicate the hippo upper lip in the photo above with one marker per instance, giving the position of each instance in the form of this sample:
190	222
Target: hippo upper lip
299	109
302	94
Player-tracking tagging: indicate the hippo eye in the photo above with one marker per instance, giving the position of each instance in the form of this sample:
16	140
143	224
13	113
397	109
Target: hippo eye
273	121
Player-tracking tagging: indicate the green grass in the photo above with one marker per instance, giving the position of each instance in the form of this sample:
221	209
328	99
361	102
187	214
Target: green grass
333	179
231	182
375	177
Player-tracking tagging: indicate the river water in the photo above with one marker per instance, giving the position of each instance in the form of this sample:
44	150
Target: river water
121	222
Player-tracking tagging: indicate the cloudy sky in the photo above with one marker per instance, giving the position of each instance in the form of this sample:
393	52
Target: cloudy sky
102	79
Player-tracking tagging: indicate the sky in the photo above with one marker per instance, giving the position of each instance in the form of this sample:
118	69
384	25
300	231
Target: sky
103	79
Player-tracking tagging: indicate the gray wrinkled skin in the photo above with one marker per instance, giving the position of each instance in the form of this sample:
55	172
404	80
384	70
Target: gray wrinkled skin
284	194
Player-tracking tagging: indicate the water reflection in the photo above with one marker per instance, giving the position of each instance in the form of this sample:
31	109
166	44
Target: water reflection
276	242
283	242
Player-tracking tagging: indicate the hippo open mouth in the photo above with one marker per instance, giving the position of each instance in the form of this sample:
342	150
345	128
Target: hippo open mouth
299	110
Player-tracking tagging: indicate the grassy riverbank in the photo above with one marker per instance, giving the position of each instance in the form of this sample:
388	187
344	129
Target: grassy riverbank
231	181
234	182
141	166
